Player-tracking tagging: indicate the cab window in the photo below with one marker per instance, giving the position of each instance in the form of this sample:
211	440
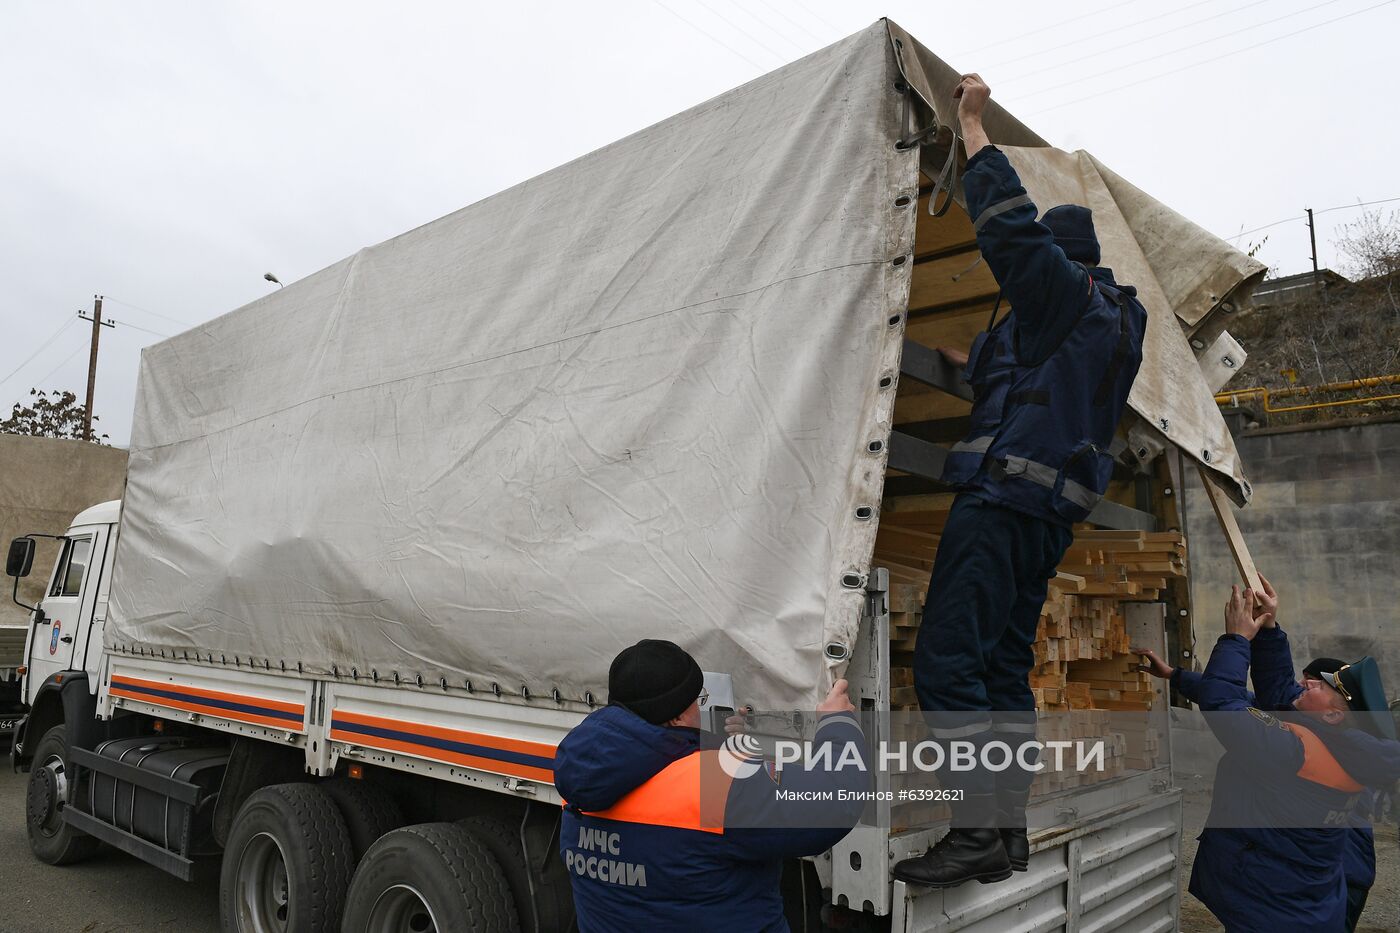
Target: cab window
72	568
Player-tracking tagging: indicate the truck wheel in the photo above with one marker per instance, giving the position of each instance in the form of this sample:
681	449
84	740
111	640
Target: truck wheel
430	878
368	810
52	840
548	897
287	863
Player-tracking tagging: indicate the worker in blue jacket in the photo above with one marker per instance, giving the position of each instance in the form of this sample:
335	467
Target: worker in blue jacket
666	829
1271	856
1371	754
1050	382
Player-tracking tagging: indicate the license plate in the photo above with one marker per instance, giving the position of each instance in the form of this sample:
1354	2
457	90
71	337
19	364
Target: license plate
7	726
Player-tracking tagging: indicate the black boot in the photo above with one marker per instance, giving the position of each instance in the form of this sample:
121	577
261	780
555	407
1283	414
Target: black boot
971	850
1011	821
962	855
1018	848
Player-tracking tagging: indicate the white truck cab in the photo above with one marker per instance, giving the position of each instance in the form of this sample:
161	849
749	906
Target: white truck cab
65	634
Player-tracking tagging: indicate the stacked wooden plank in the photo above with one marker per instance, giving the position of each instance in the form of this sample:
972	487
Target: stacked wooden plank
1081	647
1083	663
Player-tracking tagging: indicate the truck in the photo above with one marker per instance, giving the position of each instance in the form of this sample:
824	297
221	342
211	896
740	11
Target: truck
384	529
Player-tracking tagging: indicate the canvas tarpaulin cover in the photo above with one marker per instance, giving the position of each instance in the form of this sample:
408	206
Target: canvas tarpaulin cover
1178	268
637	396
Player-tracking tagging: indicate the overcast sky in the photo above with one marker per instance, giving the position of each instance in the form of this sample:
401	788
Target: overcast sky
167	154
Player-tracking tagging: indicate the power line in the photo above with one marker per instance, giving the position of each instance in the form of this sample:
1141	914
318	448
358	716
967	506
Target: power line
1184	48
744	32
1325	210
709	35
776	9
42	347
775	30
1216	58
1155	35
66	360
1036	32
1082	39
812	12
142	329
163	317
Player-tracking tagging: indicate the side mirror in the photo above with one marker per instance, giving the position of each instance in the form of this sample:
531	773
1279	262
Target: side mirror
21	558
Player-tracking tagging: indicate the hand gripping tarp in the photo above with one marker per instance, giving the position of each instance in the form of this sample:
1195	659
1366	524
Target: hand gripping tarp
637	396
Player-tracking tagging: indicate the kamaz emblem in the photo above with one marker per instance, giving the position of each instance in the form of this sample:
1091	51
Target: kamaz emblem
53	639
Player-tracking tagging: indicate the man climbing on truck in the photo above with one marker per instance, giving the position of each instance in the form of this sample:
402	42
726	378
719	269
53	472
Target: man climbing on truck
1050	381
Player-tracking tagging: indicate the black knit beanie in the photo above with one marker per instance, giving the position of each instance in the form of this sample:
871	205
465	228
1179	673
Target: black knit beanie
1073	227
655	679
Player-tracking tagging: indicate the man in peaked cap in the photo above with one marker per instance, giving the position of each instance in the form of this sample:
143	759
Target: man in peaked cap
1344	707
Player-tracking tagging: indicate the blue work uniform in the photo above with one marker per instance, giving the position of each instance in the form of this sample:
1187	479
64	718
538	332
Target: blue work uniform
1373	761
1050	382
663	831
1271	856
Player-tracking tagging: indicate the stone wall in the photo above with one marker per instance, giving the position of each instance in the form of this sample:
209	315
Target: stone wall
44	482
1324	527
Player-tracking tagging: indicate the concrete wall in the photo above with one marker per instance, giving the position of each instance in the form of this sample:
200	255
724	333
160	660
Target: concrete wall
44	482
1324	527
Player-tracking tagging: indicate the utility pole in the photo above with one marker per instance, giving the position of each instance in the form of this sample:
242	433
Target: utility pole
1317	278
97	324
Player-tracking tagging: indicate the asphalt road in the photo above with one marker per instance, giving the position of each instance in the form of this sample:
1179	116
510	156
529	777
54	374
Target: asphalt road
111	892
114	892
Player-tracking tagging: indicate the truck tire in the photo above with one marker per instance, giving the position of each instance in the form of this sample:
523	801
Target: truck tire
548	898
368	810
430	878
287	863
52	840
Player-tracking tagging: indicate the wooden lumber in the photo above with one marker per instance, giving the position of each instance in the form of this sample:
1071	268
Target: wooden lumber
1225	515
1082	659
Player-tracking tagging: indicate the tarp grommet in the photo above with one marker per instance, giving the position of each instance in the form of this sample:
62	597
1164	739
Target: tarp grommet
525	691
902	201
852	580
836	651
442	682
418	679
396	678
894	321
556	695
588	697
898	260
875	446
354	673
495	688
864	513
374	674
1164	424
1205	455
886	381
335	671
467	685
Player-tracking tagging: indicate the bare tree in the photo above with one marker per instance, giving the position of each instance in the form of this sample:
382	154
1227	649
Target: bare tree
1371	245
